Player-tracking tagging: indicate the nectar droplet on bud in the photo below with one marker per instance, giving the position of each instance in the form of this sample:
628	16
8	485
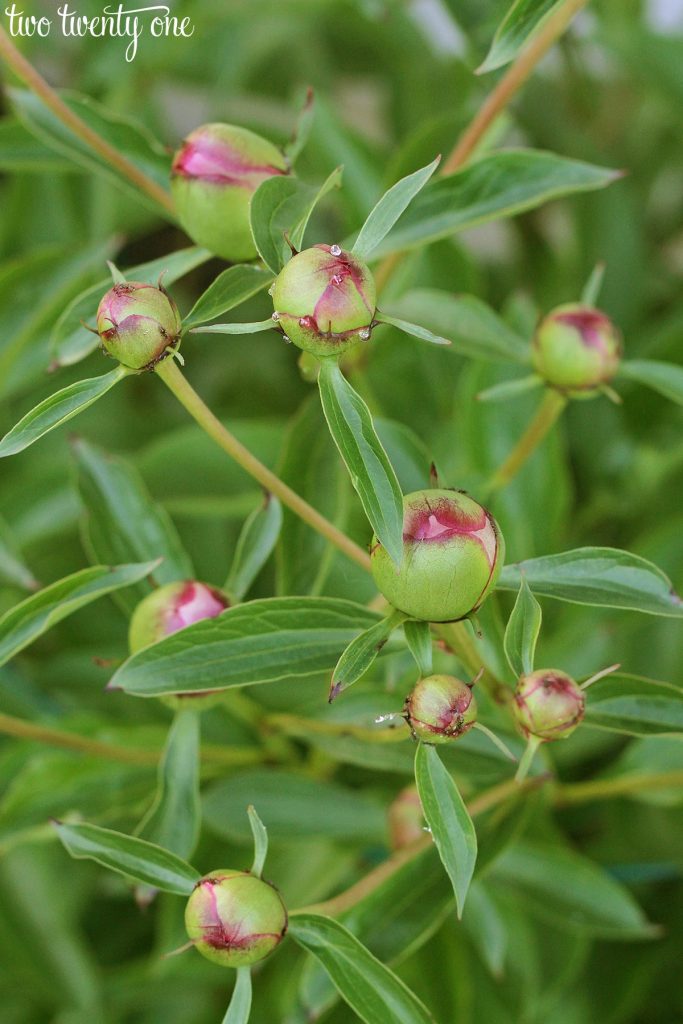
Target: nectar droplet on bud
275	316
335	250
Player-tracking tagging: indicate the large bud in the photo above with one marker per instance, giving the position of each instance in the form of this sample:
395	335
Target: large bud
548	704
325	300
576	349
169	609
138	324
214	175
453	552
440	708
234	918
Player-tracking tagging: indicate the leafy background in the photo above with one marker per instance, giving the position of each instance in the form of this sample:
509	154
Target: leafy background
545	932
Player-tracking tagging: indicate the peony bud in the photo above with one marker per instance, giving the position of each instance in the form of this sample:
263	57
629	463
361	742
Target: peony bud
137	323
406	818
453	552
168	609
576	349
214	175
440	709
548	704
234	918
324	300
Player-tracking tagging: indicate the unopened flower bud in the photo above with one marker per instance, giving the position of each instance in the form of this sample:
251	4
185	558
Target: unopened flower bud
406	818
325	300
214	175
576	349
453	552
234	918
137	324
548	704
168	609
440	708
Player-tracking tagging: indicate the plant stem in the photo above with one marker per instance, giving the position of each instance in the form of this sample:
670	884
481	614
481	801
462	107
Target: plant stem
549	411
604	789
172	377
24	70
457	638
532	745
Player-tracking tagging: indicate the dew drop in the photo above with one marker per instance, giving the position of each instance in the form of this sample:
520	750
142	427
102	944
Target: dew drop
364	334
271	289
287	340
275	316
335	250
305	321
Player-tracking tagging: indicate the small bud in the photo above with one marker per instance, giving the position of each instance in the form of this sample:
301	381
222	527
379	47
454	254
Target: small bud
214	175
453	552
325	300
548	704
137	323
576	349
234	918
440	709
406	818
169	609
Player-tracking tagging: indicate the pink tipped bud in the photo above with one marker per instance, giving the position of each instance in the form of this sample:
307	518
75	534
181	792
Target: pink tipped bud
440	708
576	349
406	818
548	704
138	324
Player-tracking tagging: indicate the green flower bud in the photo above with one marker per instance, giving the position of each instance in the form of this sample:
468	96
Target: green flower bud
324	300
440	708
214	175
548	704
576	349
168	609
137	323
234	918
406	818
453	552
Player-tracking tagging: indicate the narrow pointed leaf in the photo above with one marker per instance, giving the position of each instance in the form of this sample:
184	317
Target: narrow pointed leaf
143	862
372	475
510	389
635	706
255	543
232	287
603	577
258	831
362	651
413	329
384	215
372	991
302	131
666	378
593	286
24	623
251	328
58	409
13	570
448	820
240	1003
258	642
521	633
521	22
419	639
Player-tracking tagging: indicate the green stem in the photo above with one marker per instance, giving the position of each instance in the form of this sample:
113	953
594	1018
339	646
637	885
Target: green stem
533	743
172	377
457	638
605	789
548	413
25	71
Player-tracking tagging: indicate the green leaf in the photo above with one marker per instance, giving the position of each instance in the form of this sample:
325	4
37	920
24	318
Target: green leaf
232	287
302	131
571	891
474	329
487	927
128	137
419	639
283	205
255	327
521	22
635	706
134	858
174	819
13	570
258	830
448	820
258	642
255	543
521	633
122	522
499	185
386	212
24	623
22	152
57	409
603	577
362	651
372	475
413	329
71	341
666	378
372	991
510	388
240	1003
